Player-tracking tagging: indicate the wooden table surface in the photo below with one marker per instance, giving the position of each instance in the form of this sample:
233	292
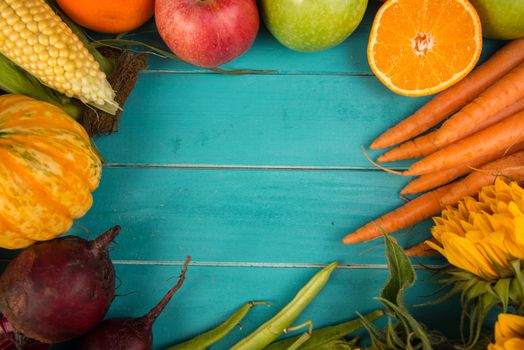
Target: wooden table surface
257	177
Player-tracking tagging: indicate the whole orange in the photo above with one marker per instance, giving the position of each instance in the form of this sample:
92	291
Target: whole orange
108	16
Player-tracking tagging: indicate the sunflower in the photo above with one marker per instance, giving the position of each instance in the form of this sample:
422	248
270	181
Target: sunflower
484	235
509	333
483	240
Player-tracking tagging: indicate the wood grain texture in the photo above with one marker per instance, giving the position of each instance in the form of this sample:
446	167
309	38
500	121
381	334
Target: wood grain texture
253	120
269	120
243	215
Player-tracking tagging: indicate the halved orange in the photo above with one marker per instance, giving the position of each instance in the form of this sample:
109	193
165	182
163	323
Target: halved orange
420	47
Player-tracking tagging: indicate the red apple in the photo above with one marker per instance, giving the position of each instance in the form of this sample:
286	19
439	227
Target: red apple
207	33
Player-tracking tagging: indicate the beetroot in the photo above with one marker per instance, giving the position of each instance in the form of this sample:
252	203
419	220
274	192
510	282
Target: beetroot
129	333
60	289
12	340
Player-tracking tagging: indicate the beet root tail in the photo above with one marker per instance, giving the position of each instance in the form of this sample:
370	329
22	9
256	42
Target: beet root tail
103	241
152	315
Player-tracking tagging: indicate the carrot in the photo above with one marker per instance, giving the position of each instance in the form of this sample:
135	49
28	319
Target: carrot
429	181
455	97
502	94
421	146
421	249
499	136
511	166
426	144
407	215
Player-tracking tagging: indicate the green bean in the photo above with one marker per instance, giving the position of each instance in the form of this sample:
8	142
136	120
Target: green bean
337	345
302	338
273	328
323	336
205	340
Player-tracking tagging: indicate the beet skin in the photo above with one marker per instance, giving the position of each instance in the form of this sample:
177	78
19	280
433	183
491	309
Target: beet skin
60	289
129	333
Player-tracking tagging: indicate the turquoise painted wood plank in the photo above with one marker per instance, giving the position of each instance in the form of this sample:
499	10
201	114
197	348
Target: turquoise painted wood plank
268	54
243	215
272	120
210	294
254	120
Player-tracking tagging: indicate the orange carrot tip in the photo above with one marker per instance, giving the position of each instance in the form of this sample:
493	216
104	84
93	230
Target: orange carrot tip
406	190
420	250
370	231
410	172
382	158
409	214
375	145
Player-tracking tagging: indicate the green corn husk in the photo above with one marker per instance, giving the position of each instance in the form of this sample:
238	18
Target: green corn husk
15	80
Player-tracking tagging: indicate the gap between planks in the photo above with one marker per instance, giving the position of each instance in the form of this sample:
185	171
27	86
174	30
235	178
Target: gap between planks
247	167
263	264
254	72
257	264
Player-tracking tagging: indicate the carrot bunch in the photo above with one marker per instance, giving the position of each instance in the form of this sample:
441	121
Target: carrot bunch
482	138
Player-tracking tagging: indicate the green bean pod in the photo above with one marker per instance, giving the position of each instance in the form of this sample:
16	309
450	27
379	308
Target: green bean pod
327	335
205	340
273	328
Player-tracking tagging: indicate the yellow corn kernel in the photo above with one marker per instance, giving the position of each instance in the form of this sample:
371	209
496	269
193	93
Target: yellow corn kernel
36	39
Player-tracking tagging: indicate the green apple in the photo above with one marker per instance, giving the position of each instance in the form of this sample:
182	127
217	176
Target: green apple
501	19
312	25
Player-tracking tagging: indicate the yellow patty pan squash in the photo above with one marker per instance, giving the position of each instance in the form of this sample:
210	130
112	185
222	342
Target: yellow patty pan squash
48	170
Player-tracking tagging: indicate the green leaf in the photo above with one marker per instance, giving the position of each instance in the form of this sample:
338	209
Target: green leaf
478	289
378	337
394	340
515	290
465	286
501	288
401	273
412	327
517	285
450	293
461	275
336	345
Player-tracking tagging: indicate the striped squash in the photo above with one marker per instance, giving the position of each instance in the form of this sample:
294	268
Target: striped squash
48	170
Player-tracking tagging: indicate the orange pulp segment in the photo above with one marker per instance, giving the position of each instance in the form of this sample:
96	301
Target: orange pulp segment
421	47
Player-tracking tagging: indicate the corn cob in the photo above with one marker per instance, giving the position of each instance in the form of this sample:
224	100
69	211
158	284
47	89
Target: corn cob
36	39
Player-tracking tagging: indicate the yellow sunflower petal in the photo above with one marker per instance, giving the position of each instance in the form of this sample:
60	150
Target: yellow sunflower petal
464	254
509	326
482	235
514	344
